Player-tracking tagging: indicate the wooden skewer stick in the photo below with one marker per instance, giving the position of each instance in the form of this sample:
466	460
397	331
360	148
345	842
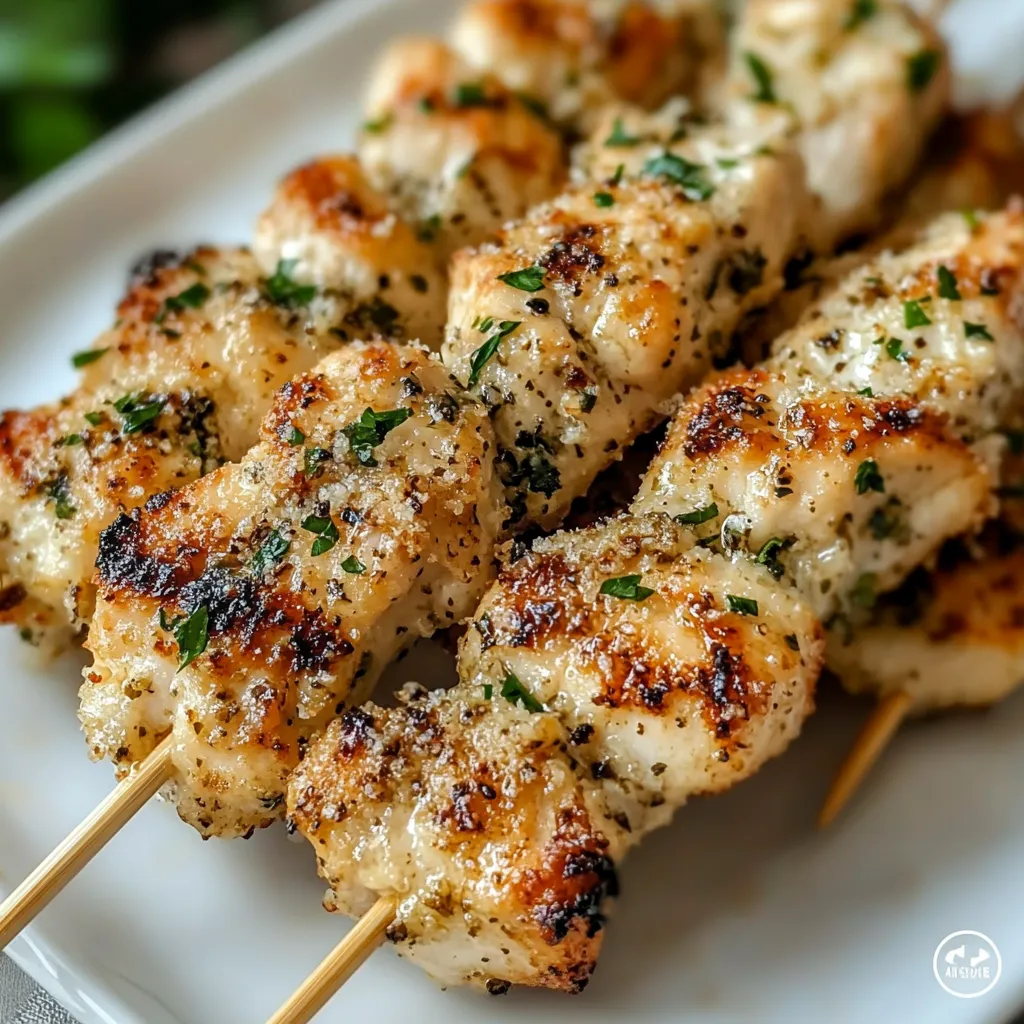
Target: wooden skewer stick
873	739
339	965
68	859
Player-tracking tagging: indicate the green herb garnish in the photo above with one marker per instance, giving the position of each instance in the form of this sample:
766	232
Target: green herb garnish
977	331
689	177
315	459
763	79
190	298
273	549
698	516
283	290
947	285
894	349
741	605
353	565
326	533
370	430
768	556
488	348
860	12
627	588
620	137
529	279
914	315
80	359
192	635
138	412
921	69
869	478
515	693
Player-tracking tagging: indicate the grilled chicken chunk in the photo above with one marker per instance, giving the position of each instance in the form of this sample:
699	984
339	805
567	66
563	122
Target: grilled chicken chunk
950	638
840	493
941	321
587	712
576	56
865	84
456	151
870	436
328	228
670	668
179	384
243	612
586	317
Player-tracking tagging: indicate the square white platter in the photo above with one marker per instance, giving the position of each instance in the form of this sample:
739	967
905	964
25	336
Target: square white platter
740	911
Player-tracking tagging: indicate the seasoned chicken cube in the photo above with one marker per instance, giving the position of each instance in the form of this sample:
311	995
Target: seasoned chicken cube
179	384
865	85
607	676
458	153
576	56
586	317
950	638
65	473
942	321
472	813
675	670
328	227
840	494
243	613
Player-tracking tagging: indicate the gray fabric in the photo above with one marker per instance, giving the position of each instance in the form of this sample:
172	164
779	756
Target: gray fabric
22	1001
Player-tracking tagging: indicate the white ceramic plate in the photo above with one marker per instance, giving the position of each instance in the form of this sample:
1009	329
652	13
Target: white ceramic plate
738	912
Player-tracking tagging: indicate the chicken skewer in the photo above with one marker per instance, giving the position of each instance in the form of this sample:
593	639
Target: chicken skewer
576	635
306	225
543	330
202	342
987	168
731	310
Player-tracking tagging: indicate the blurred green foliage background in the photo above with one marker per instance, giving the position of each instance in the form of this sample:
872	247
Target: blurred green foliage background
72	69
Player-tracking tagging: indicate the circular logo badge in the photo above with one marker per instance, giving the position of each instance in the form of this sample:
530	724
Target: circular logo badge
967	964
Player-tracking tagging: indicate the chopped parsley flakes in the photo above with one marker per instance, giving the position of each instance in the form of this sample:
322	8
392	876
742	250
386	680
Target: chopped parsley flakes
283	290
273	549
860	12
698	516
80	359
741	605
516	693
914	315
688	176
138	411
370	430
869	478
763	79
326	532
921	68
190	298
977	331
529	279
488	348
604	199
315	459
60	492
894	349
620	137
768	556
627	588
192	635
353	565
947	285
